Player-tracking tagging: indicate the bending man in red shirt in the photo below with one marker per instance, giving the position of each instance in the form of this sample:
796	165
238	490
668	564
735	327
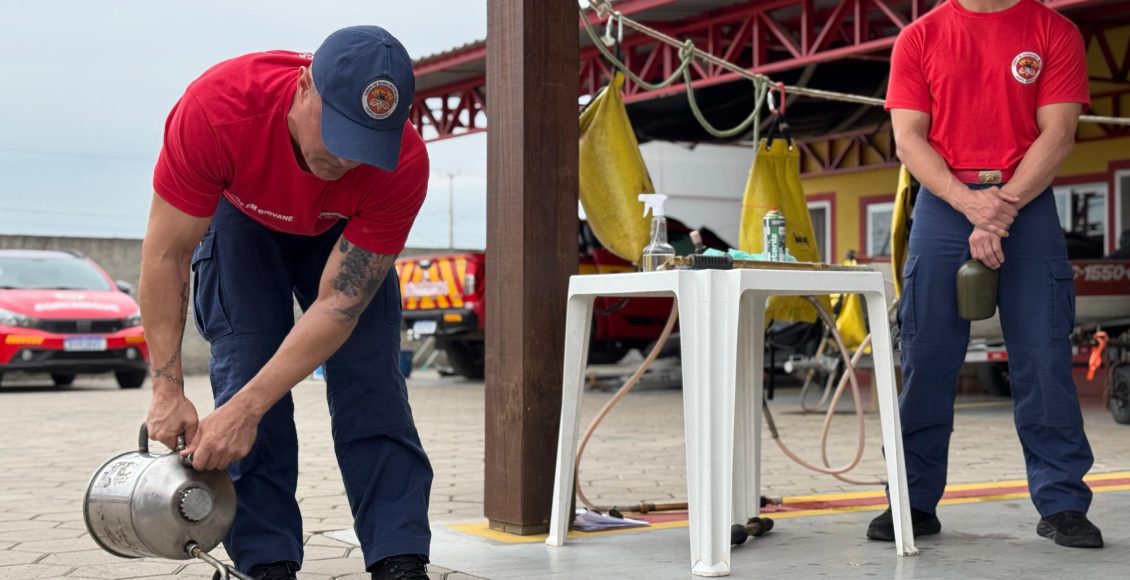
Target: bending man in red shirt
289	176
985	96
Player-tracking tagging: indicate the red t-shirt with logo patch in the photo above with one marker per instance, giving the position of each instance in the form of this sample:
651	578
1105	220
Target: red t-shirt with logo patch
228	136
982	76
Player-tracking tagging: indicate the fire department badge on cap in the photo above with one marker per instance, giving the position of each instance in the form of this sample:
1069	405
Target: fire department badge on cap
1026	67
380	99
367	66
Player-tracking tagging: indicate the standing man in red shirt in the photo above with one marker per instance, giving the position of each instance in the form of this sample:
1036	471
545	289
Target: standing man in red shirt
985	96
289	176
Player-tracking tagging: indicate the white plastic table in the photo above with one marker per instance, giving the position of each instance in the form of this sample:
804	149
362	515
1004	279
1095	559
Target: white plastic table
722	318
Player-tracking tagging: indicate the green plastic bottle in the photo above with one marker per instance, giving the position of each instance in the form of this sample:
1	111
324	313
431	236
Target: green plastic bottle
976	291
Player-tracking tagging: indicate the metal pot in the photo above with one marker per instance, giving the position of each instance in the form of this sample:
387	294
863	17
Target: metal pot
140	505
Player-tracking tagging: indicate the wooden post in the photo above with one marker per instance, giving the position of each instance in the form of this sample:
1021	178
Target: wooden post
532	157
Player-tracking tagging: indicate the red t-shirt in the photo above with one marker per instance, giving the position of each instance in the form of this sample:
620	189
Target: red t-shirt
982	76
228	135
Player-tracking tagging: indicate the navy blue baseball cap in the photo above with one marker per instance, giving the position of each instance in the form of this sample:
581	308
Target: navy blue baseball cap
365	79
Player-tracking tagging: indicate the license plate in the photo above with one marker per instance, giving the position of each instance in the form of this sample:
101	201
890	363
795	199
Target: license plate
84	343
423	327
425	289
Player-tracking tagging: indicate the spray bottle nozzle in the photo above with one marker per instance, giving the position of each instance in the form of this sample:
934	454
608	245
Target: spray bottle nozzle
653	204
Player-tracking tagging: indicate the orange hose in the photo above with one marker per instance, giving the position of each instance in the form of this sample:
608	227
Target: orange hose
848	378
1097	354
624	390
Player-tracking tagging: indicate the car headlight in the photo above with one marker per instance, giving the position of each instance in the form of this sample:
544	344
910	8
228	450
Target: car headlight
8	318
132	320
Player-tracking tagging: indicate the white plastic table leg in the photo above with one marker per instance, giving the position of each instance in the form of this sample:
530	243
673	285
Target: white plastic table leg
747	407
889	420
709	331
577	328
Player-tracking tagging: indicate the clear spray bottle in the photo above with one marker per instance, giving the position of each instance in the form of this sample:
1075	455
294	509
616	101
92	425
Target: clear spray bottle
658	251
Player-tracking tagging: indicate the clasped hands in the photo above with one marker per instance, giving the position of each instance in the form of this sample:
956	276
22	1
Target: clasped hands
991	211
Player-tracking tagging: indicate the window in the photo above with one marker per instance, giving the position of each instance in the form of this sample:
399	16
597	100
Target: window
1121	208
878	228
1083	213
820	212
50	274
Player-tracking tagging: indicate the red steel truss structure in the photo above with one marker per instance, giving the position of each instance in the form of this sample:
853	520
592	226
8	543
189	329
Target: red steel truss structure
763	36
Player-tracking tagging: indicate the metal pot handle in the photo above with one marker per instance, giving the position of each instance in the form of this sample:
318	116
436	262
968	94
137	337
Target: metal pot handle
223	571
143	440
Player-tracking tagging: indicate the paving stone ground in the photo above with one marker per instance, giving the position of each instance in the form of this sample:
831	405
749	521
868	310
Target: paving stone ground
51	440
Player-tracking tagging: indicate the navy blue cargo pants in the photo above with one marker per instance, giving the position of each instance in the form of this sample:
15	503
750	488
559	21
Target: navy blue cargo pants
246	278
1036	302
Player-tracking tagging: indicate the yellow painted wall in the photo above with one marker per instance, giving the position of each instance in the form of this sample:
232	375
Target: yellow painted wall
1095	156
848	189
1092	157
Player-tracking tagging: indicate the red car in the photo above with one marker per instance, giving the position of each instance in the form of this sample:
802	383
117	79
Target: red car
60	313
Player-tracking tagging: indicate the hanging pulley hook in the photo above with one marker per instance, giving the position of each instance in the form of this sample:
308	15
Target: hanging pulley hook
772	102
614	41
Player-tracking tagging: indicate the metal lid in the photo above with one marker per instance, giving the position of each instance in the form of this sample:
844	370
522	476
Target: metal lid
195	504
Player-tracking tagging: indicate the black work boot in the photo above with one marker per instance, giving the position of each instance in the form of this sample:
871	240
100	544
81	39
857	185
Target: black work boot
882	528
1071	529
273	571
403	567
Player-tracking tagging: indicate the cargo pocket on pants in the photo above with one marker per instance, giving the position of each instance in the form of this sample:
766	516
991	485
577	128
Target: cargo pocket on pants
1062	280
906	313
209	310
391	291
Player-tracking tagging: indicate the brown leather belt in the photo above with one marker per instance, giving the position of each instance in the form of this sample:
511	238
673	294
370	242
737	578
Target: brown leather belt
984	176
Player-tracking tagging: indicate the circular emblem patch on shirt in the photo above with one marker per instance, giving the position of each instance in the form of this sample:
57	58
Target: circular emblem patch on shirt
1026	67
380	99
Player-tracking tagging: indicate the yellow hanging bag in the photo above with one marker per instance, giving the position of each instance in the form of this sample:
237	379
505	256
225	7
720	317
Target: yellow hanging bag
900	233
613	174
774	182
852	320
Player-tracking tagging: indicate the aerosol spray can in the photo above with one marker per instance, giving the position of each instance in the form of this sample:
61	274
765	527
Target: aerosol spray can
773	235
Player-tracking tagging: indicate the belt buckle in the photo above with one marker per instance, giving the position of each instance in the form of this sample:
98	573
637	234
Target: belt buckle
989	177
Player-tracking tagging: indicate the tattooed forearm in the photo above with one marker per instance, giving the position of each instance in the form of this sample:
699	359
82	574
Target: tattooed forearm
351	312
360	276
183	304
356	278
170	371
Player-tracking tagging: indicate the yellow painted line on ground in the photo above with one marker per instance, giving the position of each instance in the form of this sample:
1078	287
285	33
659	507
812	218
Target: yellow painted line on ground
833	496
482	529
1106	476
952	487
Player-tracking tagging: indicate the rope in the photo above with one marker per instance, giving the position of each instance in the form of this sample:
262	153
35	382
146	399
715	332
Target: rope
604	10
687	51
754	118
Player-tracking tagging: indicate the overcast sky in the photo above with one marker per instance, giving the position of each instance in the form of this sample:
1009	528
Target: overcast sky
86	87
